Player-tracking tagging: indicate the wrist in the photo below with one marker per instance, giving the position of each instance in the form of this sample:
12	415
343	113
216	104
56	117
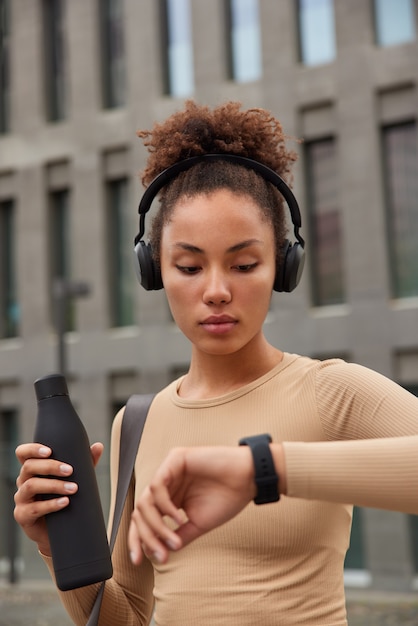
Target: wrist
249	479
277	453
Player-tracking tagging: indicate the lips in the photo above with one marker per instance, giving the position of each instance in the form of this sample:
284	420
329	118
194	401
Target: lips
218	324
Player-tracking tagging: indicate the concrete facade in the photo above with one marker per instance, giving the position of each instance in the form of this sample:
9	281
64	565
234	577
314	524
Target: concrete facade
365	87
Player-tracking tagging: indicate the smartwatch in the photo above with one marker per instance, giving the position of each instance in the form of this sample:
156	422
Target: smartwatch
266	478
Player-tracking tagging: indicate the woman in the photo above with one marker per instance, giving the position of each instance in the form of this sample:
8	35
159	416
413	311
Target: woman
342	434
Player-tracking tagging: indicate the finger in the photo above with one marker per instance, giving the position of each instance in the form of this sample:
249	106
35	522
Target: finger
28	514
137	549
30	505
156	508
35	487
161	497
134	545
96	452
151	527
42	467
168	486
142	538
188	532
32	450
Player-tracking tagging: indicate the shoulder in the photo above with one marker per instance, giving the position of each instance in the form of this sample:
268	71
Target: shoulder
302	367
337	380
357	402
135	402
344	375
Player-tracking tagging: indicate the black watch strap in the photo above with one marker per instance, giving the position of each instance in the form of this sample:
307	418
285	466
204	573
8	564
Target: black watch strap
266	478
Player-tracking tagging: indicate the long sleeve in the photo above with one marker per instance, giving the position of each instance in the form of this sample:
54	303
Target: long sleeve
380	473
375	460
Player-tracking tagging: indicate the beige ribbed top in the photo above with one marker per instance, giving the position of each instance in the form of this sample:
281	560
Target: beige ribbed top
351	437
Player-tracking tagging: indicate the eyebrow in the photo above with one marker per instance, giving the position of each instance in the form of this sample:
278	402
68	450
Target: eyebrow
235	248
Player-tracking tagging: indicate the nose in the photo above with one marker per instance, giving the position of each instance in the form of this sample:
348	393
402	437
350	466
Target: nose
217	289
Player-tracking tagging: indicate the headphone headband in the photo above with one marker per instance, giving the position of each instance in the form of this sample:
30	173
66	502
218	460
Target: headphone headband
167	175
288	271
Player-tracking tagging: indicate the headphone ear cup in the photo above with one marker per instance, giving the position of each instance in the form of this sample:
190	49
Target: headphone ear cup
289	272
147	272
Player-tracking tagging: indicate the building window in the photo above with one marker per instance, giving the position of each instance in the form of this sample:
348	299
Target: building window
9	308
8	473
177	47
316	31
4	66
244	40
325	223
394	21
400	158
121	276
54	60
59	249
112	53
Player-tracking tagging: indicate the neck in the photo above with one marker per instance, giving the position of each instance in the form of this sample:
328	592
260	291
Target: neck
210	375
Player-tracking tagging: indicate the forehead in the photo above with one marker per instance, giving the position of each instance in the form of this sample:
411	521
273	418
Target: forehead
222	205
219	221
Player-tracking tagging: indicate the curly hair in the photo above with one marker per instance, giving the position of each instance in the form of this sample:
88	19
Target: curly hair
225	129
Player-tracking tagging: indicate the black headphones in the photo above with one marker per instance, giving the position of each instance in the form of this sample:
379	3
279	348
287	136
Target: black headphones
293	255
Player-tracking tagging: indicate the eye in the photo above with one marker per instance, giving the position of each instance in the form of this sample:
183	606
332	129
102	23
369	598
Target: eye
246	268
188	269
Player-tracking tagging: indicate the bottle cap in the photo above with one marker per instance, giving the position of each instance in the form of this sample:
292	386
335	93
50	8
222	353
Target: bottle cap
49	386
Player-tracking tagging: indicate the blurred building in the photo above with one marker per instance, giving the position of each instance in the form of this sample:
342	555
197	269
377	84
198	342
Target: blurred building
78	79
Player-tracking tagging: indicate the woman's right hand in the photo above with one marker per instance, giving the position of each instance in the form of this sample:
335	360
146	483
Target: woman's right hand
34	481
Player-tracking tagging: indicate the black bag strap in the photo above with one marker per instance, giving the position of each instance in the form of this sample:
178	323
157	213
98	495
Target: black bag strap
133	422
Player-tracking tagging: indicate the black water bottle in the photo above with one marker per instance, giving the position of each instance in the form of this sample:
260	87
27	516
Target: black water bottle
77	533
